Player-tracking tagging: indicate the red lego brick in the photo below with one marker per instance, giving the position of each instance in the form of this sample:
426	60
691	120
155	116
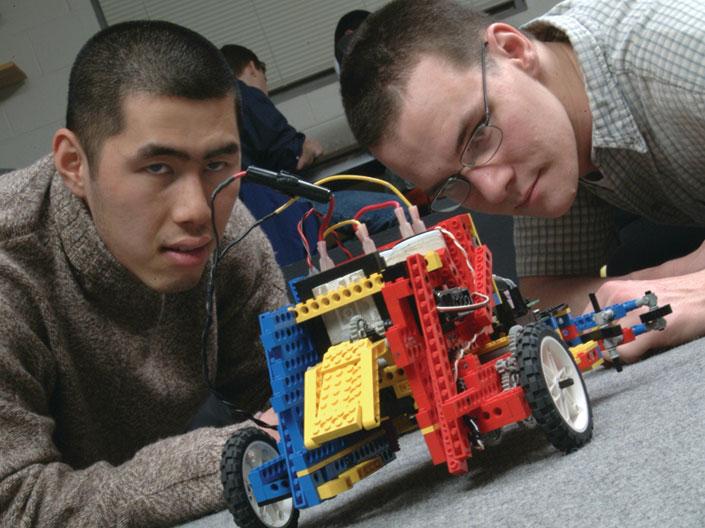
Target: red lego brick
505	408
454	433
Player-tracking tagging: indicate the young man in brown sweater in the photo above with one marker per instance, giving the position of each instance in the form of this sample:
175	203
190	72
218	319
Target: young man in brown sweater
103	249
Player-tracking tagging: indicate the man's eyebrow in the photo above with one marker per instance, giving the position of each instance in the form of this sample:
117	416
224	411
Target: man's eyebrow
153	150
230	148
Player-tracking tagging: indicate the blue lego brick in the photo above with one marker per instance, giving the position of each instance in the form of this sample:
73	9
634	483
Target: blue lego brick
308	492
287	377
563	320
639	329
271	471
289	353
377	447
333	471
303	458
292	289
586	321
369	450
284	401
266	493
286	449
295	359
303	490
276	326
551	321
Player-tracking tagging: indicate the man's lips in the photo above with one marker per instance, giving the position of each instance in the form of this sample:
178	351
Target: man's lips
188	253
529	193
189	245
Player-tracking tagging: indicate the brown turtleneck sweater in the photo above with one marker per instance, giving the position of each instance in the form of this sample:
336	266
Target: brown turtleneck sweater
99	375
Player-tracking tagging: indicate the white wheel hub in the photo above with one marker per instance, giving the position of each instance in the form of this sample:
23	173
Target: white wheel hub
564	384
274	515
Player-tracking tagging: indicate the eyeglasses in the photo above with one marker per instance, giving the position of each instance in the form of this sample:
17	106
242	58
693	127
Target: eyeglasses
483	144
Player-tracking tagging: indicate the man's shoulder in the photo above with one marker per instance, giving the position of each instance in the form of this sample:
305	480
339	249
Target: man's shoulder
626	29
255	102
23	197
251	92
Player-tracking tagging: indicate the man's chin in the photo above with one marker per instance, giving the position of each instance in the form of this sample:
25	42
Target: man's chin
174	284
559	205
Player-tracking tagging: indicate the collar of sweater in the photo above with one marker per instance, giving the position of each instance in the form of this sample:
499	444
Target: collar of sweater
105	281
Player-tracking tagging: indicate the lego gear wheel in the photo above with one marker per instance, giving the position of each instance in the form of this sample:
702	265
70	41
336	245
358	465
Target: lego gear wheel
247	449
553	387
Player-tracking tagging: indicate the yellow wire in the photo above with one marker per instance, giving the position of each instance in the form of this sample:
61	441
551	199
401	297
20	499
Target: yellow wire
285	205
339	224
369	179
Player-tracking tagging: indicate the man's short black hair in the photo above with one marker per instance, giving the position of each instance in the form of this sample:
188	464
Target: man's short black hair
386	48
238	57
145	56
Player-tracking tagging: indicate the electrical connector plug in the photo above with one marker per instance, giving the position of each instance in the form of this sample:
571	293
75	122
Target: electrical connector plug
404	226
324	261
416	223
368	245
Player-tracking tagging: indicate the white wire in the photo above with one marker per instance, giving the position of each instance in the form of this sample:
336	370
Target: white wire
461	355
459	246
465	307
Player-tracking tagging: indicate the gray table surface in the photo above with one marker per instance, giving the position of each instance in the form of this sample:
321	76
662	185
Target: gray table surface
644	467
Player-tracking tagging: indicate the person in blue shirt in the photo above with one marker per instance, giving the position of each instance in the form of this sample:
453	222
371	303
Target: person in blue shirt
270	142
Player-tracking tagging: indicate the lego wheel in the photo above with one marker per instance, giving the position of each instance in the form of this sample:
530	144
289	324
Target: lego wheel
247	449
553	387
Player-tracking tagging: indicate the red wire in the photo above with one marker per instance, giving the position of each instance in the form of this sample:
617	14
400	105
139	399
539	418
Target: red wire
304	240
326	219
339	242
239	174
374	207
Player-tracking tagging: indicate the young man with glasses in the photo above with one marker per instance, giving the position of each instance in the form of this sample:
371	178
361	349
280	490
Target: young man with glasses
597	105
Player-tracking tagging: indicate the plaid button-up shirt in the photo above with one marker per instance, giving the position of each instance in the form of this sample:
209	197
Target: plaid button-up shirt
643	63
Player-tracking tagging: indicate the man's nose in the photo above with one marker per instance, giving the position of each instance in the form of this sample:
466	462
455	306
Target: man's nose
191	201
493	182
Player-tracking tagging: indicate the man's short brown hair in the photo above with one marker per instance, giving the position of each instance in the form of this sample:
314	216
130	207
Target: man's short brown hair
387	47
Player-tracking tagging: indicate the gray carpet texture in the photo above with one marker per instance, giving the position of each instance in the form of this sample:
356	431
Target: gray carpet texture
644	467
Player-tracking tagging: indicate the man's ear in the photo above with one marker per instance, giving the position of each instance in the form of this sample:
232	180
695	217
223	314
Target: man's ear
506	41
70	161
247	73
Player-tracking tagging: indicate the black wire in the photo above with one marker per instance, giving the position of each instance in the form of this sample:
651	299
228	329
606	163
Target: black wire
249	229
210	297
222	185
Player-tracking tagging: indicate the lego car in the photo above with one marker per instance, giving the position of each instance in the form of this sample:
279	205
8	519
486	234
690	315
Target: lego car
415	335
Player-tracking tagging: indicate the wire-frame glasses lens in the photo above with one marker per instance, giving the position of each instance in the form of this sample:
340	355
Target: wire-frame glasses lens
482	147
451	195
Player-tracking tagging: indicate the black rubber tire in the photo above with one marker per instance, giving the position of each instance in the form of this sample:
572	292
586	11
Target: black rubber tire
560	433
234	486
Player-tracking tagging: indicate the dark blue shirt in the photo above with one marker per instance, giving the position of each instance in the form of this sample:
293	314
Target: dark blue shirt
270	142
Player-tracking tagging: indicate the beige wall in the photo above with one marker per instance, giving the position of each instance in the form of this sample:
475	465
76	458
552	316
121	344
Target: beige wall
42	37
